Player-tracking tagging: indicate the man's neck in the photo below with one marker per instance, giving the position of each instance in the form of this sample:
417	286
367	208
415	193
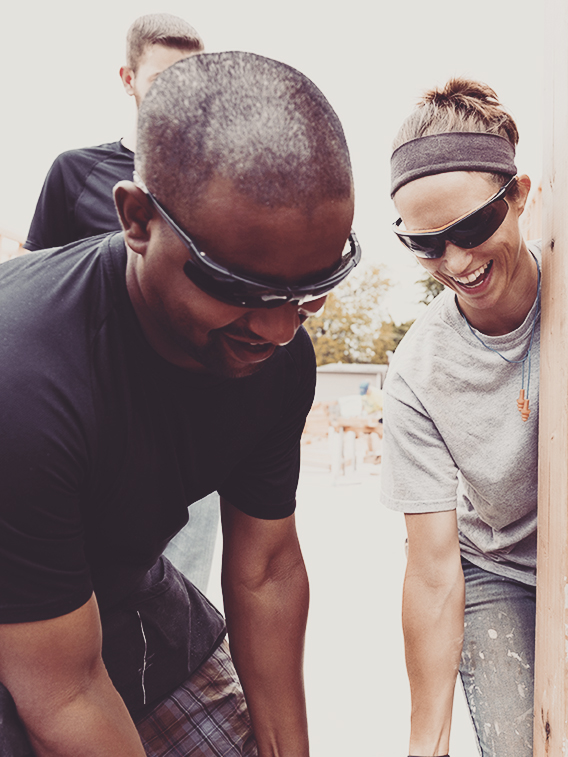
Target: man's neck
151	327
129	141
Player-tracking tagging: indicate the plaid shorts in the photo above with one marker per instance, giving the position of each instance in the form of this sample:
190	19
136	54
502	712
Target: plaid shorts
206	716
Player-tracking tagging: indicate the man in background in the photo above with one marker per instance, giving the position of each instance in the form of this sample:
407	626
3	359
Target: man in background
76	202
76	199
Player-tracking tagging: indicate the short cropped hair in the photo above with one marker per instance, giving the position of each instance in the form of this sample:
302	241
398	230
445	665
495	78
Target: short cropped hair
159	29
255	121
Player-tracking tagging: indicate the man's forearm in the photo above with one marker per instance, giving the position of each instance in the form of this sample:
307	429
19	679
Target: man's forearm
94	723
266	627
433	630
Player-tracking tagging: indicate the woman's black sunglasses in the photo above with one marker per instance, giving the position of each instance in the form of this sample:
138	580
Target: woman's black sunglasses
467	232
234	289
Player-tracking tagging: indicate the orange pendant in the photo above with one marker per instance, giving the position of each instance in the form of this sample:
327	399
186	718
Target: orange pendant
525	412
523	405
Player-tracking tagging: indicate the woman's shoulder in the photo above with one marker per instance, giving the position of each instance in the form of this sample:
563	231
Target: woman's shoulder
423	352
429	328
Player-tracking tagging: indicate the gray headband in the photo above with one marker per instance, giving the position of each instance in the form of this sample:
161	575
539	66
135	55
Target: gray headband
454	151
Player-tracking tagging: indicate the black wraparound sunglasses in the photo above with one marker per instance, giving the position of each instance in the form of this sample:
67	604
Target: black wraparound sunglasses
467	232
235	289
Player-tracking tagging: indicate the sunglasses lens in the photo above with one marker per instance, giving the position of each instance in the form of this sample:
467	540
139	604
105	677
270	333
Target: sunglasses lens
230	291
480	226
471	232
233	290
424	245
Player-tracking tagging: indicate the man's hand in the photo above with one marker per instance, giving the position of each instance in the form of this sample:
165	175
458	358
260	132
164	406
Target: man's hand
55	673
266	596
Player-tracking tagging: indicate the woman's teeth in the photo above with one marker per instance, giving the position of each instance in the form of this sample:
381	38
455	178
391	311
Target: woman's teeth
475	277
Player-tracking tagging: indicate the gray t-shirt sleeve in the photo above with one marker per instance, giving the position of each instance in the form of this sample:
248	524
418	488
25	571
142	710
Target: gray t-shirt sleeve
418	473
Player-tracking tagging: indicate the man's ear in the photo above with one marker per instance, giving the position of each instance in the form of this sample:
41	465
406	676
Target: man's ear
127	76
135	211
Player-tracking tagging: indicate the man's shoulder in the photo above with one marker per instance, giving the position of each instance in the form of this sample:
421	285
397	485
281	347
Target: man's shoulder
88	157
76	199
98	152
54	305
52	282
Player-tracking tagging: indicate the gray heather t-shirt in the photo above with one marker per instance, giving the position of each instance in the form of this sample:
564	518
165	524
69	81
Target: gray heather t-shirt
454	437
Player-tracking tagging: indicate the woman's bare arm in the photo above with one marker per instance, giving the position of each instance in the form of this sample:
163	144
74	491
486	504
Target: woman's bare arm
433	618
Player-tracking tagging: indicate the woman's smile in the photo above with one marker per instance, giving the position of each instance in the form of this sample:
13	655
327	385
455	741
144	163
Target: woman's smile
474	279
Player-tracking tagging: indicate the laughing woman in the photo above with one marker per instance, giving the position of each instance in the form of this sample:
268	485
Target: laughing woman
461	420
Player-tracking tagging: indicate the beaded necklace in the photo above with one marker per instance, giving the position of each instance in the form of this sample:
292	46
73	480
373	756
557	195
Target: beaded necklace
523	400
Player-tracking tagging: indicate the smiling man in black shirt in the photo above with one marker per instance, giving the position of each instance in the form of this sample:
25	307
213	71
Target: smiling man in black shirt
77	202
141	371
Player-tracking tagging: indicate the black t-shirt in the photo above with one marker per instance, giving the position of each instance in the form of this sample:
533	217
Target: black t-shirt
76	200
104	445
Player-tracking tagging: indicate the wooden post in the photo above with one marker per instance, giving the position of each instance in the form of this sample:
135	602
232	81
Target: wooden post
551	679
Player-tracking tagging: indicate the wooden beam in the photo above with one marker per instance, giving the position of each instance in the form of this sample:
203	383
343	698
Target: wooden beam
551	695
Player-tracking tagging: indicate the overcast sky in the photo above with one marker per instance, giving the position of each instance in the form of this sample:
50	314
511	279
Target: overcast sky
60	87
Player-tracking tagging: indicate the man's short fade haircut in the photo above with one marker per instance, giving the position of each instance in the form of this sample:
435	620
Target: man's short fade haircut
255	121
159	29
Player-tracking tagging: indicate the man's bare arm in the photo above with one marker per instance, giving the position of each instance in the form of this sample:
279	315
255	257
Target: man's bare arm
266	596
433	617
55	673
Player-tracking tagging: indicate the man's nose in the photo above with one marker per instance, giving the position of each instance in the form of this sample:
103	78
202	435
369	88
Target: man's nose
456	259
276	325
312	307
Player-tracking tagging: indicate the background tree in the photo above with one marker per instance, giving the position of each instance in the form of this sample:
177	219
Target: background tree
351	328
388	339
432	288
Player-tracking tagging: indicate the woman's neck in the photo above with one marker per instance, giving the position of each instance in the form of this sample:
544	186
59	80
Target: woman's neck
515	304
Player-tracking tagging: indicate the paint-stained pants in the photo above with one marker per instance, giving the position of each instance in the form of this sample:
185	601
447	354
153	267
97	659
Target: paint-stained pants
497	665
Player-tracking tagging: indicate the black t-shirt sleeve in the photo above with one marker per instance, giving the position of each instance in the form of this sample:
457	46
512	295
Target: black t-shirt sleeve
264	486
43	569
45	452
53	221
